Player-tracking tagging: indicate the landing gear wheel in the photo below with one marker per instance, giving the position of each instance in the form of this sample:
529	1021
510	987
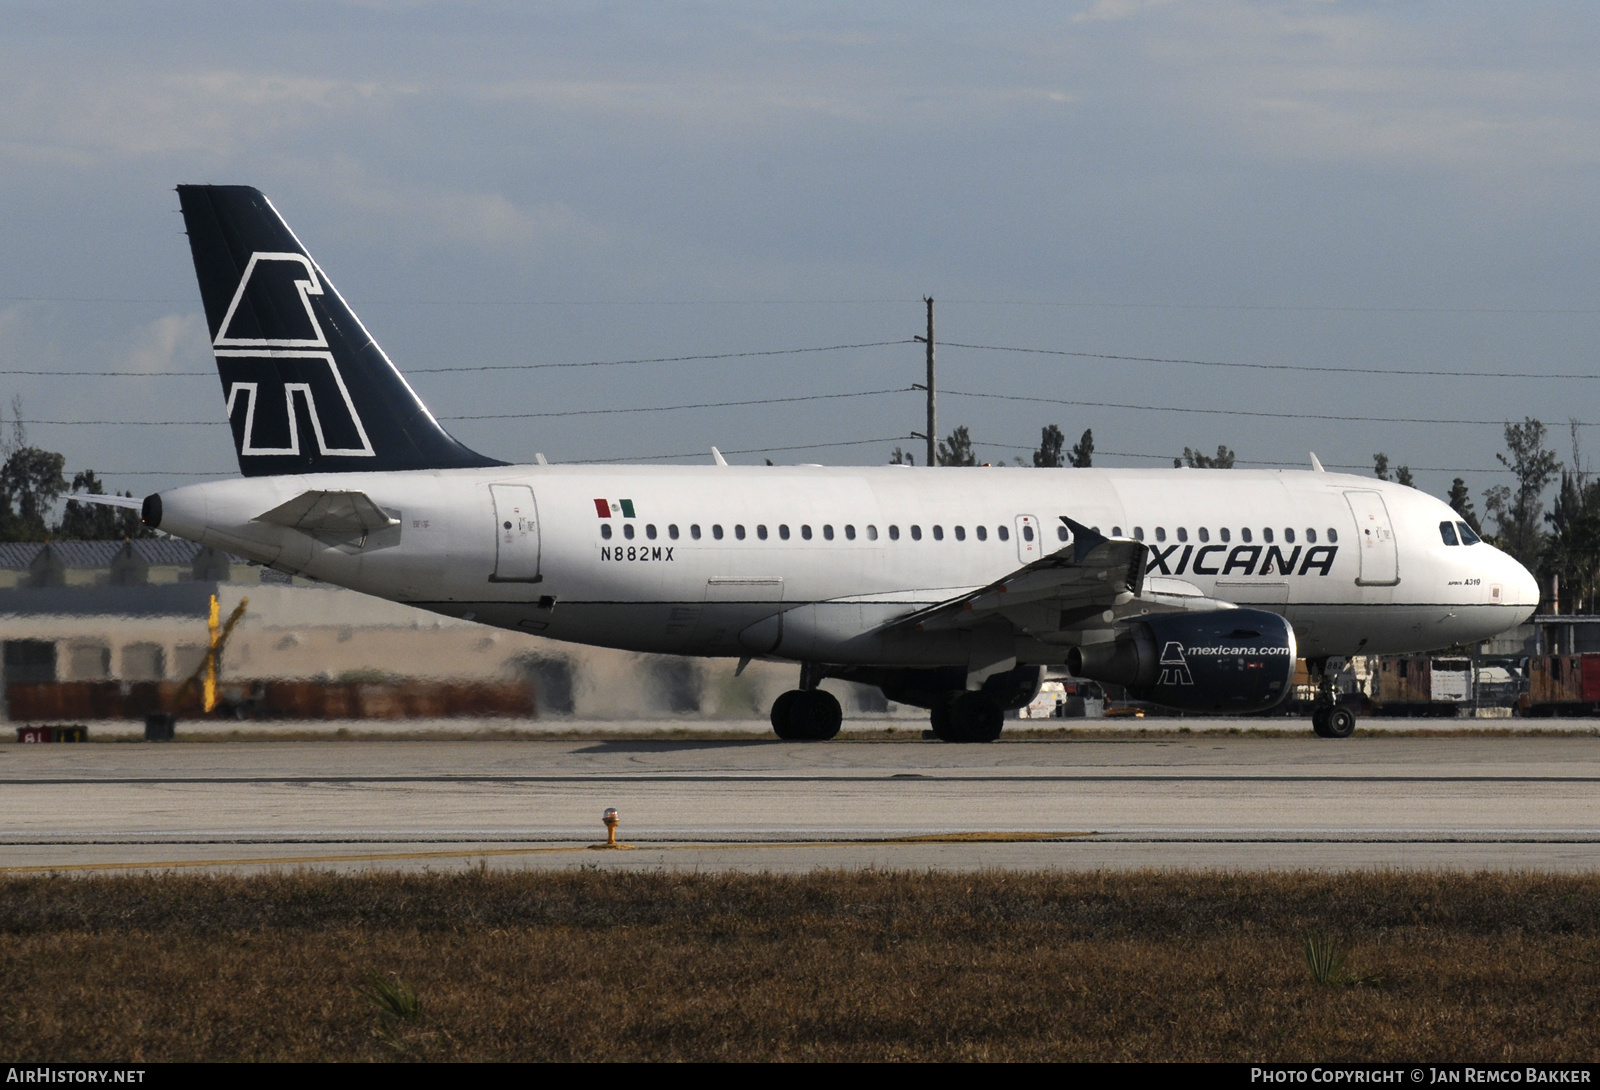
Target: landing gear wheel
806	716
1341	723
968	717
784	721
1319	722
822	715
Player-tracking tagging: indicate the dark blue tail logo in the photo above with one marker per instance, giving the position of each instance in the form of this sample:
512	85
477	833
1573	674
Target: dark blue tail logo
263	375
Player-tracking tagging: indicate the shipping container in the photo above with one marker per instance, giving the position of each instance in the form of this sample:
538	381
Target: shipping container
1563	685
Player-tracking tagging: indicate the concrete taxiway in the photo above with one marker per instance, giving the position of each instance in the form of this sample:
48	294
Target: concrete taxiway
1170	800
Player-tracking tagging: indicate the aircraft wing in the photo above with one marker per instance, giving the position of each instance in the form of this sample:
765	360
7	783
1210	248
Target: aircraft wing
326	511
1090	583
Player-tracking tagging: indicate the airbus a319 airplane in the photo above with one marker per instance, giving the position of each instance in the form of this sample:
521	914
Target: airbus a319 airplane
949	589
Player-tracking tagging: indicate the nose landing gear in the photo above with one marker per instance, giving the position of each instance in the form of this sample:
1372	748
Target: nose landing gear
1333	722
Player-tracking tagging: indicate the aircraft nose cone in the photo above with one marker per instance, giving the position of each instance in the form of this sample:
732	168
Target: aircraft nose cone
1522	589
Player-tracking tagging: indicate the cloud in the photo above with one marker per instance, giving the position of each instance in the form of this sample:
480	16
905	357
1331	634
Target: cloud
437	214
716	105
174	342
1107	11
1316	82
131	113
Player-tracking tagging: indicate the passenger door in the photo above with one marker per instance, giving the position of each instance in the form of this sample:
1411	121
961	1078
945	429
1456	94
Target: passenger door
1375	543
516	554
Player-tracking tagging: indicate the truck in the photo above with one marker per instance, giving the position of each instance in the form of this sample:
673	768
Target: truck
1066	698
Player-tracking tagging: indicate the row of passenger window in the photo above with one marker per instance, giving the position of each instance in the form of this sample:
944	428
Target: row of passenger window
1224	535
1001	533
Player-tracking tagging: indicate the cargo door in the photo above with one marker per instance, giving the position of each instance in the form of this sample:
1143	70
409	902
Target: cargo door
516	553
1380	561
1029	546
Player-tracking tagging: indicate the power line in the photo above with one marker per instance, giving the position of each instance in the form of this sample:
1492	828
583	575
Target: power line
861	393
488	367
748	450
189	301
508	416
1271	366
660	359
1253	461
1239	412
116	374
674	408
1310	308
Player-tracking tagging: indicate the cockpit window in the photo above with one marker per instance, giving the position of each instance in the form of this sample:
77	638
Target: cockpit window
1447	530
1467	536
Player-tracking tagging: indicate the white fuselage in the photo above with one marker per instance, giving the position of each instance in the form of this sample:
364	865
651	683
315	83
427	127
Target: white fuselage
1356	565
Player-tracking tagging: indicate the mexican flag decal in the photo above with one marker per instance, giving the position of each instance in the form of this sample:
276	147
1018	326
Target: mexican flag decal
604	508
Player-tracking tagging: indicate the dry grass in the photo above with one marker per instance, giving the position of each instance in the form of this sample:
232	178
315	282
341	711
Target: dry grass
858	965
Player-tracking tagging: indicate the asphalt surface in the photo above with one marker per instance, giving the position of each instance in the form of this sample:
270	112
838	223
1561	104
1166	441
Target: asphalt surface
1171	801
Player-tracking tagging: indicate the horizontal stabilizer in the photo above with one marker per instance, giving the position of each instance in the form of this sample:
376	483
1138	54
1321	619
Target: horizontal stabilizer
107	501
330	512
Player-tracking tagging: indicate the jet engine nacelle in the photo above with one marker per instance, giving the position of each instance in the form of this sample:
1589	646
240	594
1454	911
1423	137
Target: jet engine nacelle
1229	661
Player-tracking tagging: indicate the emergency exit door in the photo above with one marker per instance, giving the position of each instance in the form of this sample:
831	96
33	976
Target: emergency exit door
1030	546
516	554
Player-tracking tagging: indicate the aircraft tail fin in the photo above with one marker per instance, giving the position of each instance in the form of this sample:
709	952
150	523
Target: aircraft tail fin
307	388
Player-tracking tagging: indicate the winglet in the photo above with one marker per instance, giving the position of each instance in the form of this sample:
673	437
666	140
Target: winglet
1084	539
716	456
1316	463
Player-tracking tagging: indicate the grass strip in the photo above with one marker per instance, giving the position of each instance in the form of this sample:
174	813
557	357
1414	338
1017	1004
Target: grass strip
838	965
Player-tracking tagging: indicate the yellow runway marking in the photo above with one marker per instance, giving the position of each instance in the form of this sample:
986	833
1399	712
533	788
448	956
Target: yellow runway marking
372	857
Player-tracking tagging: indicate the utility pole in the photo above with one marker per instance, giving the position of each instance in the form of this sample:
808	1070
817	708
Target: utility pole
932	434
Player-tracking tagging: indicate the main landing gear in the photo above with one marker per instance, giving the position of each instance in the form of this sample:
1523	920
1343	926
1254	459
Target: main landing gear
806	715
967	717
1328	719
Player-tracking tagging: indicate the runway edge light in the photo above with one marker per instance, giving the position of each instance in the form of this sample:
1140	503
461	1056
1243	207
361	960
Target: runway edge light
612	819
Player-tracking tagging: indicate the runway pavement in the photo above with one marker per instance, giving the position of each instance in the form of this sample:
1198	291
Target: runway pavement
1171	800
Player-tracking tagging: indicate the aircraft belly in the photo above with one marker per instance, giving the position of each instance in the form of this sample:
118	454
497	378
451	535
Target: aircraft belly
850	632
1394	629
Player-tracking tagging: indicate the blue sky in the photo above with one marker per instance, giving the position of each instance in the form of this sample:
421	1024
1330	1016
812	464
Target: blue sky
1335	185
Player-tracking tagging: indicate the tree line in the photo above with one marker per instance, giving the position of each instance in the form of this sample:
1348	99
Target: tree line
1563	542
33	480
